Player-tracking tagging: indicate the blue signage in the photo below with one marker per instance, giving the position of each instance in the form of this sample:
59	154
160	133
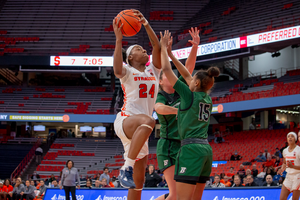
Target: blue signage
40	117
256	104
257	193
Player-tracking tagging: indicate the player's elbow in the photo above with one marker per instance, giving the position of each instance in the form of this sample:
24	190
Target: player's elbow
118	71
190	68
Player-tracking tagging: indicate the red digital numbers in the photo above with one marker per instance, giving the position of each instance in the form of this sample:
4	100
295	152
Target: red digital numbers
143	91
100	61
93	61
77	61
85	60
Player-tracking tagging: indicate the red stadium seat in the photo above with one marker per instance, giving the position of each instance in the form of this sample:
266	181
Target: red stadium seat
286	6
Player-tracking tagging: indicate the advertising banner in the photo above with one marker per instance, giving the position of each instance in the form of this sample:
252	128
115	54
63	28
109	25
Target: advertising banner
205	49
273	36
40	117
257	193
257	104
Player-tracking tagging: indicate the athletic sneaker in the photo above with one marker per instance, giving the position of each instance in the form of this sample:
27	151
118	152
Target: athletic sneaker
125	177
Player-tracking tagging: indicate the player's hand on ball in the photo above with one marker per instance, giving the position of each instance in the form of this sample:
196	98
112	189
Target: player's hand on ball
117	29
143	20
164	39
194	32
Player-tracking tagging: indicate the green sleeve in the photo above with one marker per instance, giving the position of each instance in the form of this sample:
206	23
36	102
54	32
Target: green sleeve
186	95
161	99
182	79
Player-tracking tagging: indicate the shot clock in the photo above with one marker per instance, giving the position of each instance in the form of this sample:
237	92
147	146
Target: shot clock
90	61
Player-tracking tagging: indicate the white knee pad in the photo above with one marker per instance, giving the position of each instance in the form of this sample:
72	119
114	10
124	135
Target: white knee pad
146	125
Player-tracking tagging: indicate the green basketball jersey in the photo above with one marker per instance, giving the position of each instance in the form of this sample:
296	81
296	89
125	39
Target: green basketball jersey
168	129
169	126
194	112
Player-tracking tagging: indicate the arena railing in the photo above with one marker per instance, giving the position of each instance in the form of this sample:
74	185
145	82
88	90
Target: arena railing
275	73
26	161
10	76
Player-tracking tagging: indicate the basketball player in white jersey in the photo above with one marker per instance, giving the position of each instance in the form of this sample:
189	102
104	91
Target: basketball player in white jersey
135	123
291	163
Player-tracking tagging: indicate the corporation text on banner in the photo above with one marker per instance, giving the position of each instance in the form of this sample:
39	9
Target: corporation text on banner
204	49
210	48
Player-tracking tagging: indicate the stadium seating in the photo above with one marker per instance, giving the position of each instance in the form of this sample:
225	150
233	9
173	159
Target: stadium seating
87	22
88	155
77	100
248	144
16	153
80	25
83	23
243	21
157	15
114	163
248	89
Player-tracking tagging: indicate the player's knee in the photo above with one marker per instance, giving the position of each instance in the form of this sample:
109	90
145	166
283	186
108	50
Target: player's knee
150	121
139	183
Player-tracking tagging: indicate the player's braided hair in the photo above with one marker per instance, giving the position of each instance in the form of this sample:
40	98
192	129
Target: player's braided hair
206	78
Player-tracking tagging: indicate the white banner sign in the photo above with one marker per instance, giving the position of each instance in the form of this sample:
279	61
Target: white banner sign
205	49
87	61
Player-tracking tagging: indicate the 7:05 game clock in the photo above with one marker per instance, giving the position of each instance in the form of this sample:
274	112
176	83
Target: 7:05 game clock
89	61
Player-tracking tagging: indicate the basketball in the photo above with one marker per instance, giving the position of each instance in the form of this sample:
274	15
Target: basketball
131	24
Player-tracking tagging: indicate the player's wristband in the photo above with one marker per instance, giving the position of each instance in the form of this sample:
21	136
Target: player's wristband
146	22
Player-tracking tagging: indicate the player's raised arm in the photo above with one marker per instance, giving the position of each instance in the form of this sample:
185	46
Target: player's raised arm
119	70
191	60
156	60
165	63
181	68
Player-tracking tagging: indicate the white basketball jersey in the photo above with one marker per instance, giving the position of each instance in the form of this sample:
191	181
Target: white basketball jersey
294	157
140	90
